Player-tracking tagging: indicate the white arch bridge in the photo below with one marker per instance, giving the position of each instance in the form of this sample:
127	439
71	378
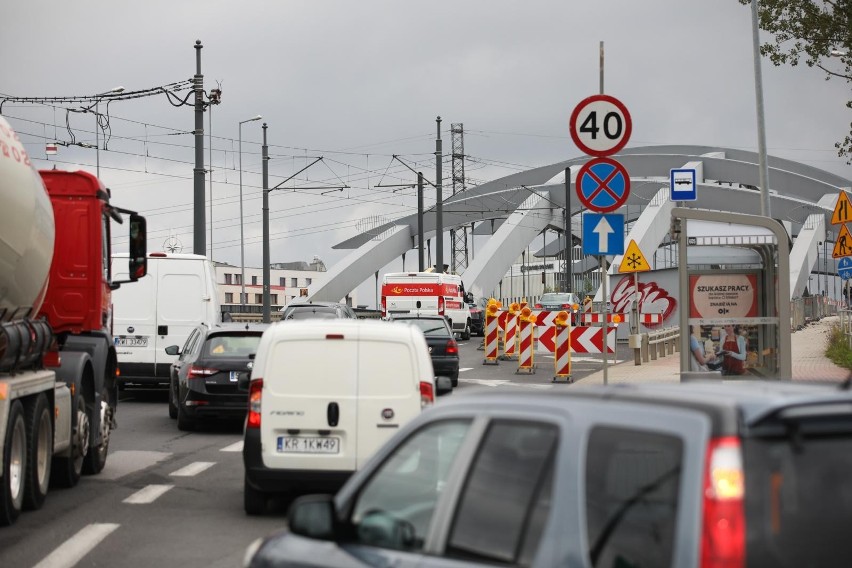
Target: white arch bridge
517	208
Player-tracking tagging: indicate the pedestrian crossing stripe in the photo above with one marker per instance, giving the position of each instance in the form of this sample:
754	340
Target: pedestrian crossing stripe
633	259
843	244
842	210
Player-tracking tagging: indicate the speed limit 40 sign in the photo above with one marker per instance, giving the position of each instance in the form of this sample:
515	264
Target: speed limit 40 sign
600	125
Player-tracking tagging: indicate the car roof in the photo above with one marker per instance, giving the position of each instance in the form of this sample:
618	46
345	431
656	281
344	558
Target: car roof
313	305
730	405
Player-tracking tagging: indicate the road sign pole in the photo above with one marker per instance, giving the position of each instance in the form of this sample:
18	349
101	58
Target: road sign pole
605	316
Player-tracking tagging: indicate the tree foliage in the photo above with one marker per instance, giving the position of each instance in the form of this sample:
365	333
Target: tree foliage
816	31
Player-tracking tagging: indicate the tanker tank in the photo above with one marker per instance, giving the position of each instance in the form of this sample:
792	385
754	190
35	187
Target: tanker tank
26	230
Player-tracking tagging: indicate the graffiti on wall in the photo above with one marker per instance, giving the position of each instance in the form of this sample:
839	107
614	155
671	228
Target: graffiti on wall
653	299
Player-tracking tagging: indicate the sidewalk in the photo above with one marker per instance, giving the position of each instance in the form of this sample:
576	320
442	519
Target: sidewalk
809	361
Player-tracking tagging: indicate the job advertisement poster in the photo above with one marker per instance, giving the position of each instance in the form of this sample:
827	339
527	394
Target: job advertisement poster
723	295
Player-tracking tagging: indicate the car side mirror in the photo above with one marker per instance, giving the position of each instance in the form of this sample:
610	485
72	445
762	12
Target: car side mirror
443	385
313	516
173	350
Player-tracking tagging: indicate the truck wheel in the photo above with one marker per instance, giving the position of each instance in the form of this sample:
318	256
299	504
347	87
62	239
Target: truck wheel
97	456
14	466
67	469
173	410
39	452
466	333
254	501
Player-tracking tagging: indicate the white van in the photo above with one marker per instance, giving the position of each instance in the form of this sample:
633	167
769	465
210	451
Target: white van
431	293
161	309
324	395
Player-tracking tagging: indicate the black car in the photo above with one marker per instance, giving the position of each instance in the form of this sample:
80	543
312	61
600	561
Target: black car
313	310
205	379
748	474
477	320
442	344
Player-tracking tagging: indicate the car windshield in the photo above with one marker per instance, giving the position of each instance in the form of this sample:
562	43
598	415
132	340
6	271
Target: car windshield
551	298
429	327
223	345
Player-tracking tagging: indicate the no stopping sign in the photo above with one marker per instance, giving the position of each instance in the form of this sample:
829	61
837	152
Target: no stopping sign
600	125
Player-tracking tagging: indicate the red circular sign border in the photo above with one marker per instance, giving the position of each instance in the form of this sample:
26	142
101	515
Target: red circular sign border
628	125
581	174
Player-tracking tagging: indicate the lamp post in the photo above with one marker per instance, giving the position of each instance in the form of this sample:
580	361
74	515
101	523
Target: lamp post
114	91
242	237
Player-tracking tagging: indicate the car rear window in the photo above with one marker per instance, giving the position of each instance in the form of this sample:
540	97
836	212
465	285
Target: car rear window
799	495
222	345
429	327
312	312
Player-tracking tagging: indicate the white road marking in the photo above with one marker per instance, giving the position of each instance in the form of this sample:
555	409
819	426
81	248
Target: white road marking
123	462
235	447
147	494
75	548
465	369
192	469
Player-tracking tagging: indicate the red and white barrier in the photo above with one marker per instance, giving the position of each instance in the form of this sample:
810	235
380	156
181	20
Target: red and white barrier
491	339
650	319
526	355
509	335
589	318
563	352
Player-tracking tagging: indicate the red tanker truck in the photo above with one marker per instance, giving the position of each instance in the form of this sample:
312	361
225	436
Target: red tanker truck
58	364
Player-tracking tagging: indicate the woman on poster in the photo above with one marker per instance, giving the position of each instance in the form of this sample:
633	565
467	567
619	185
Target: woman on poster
698	359
733	348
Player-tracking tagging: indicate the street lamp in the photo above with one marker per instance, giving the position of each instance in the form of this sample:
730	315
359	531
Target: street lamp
113	91
242	239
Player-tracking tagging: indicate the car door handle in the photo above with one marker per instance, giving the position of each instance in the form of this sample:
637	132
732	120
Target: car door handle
333	414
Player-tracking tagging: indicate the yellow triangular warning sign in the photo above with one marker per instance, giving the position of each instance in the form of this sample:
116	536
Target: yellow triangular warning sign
843	244
634	261
842	211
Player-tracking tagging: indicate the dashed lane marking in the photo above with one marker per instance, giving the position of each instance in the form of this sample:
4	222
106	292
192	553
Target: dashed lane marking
123	462
147	494
235	447
192	469
75	548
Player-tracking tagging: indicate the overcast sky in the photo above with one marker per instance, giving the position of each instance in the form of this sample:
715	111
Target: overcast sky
360	81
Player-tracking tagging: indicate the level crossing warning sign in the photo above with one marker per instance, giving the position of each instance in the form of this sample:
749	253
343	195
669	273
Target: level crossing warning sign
633	259
842	210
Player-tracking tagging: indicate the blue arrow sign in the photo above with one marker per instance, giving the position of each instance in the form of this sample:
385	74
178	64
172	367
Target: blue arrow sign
683	186
844	267
603	235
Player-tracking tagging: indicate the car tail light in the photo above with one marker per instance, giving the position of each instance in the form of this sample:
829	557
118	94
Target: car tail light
566	306
427	395
196	372
255	391
384	306
538	306
452	347
723	528
440	305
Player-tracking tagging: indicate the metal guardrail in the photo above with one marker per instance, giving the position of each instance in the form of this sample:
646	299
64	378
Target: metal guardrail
653	344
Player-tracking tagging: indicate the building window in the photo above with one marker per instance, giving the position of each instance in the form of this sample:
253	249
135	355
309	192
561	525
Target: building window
308	281
238	278
229	297
294	282
254	280
282	281
258	298
228	278
273	299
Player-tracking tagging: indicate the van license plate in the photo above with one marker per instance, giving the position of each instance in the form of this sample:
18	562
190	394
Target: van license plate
309	444
131	341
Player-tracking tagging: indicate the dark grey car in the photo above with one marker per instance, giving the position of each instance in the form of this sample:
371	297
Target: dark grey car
208	379
751	474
